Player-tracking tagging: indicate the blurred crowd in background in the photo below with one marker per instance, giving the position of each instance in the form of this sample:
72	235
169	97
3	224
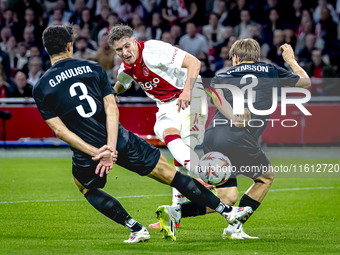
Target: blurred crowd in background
204	28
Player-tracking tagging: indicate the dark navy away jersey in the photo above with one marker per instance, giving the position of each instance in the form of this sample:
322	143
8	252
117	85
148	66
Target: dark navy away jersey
73	90
262	78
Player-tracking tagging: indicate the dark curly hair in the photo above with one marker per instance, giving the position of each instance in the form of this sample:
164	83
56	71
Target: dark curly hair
118	32
55	39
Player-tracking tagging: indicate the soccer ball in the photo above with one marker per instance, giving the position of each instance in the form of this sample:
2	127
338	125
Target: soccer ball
214	168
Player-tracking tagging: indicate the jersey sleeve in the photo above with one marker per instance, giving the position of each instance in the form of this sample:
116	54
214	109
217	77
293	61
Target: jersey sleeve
45	108
217	80
160	54
214	81
287	78
124	78
105	85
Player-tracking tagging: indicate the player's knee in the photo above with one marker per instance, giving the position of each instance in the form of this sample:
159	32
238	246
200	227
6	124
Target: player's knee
80	187
231	199
266	178
227	196
83	190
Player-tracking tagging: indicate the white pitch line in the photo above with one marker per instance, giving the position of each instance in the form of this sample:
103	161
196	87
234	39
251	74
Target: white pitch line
159	195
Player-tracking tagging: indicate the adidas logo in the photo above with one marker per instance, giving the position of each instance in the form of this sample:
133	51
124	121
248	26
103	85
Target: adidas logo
194	128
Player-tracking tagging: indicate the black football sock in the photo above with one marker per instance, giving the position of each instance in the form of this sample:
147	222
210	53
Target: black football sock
248	201
190	209
197	193
110	207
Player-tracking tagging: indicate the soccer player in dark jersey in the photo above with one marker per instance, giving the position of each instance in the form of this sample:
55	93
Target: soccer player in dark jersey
77	102
239	142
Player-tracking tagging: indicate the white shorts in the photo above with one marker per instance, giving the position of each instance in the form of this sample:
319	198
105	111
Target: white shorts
190	122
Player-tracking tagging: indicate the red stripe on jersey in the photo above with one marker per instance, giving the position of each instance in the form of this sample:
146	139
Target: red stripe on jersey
149	81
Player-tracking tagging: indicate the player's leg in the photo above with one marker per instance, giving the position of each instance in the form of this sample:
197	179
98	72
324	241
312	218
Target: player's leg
183	154
167	129
106	204
227	194
263	179
261	186
218	139
257	192
181	132
146	160
195	192
177	197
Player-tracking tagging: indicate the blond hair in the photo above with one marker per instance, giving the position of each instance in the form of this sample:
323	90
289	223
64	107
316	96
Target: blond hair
246	50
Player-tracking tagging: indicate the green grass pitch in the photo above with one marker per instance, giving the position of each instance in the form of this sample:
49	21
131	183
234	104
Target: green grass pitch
42	212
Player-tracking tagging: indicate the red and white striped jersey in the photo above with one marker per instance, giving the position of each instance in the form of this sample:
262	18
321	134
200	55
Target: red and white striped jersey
158	70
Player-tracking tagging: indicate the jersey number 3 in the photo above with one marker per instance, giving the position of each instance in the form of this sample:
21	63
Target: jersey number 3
90	100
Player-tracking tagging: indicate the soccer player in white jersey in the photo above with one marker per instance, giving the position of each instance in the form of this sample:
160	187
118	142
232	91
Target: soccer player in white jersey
170	76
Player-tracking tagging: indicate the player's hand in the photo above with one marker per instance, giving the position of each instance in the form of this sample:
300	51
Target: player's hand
241	121
105	163
110	148
183	100
288	53
107	156
114	157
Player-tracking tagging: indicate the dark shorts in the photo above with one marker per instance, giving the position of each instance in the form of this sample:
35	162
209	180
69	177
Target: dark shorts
232	182
241	148
137	156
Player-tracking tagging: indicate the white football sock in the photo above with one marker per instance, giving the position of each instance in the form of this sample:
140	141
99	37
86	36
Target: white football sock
186	156
177	197
176	212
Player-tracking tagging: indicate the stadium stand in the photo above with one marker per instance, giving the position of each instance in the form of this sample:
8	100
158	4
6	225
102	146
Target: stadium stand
311	27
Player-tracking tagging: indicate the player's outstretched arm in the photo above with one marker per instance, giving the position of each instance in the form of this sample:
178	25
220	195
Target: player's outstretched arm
226	109
289	58
193	65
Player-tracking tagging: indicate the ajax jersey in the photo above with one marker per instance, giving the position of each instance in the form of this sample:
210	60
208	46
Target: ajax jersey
158	70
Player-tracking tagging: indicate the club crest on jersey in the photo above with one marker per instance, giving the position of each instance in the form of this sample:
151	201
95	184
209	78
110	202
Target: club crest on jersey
145	71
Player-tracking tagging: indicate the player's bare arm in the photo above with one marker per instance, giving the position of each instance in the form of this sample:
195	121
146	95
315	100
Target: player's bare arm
112	119
71	138
193	65
63	133
289	58
226	109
